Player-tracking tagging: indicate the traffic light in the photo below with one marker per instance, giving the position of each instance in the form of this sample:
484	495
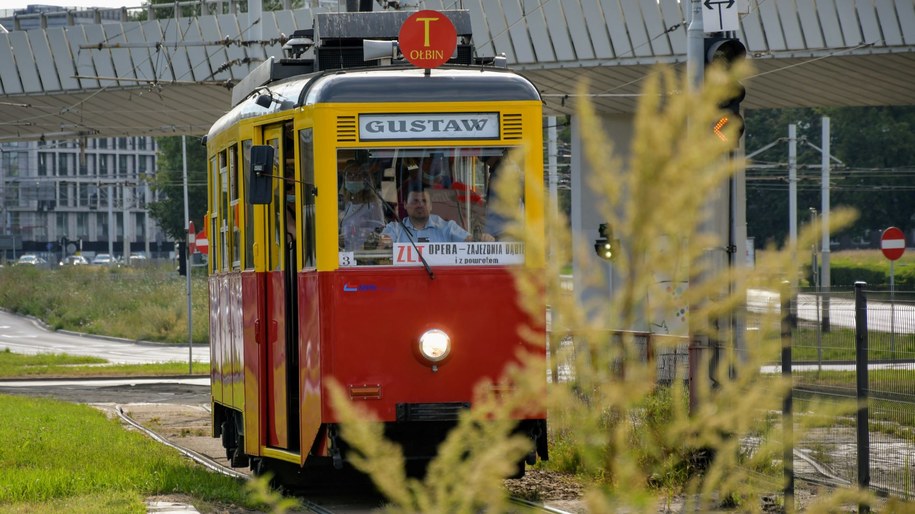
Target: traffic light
182	258
605	246
725	51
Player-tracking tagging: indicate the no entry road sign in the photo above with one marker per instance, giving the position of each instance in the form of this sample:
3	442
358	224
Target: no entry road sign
892	243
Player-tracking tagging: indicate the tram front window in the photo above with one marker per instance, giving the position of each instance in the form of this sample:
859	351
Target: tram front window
392	199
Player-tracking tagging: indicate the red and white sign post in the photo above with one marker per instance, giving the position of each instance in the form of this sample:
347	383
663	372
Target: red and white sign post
892	244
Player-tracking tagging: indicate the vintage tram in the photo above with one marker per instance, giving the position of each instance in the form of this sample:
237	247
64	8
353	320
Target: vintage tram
352	239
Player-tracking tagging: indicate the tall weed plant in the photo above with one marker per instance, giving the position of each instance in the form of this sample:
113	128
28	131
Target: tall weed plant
634	442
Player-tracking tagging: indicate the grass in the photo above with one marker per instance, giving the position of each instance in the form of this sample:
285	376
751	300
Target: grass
71	458
888	379
144	303
839	345
16	365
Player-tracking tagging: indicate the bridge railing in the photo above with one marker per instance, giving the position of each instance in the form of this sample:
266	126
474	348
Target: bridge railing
182	9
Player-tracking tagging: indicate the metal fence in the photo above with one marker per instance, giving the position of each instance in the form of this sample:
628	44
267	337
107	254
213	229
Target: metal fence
853	358
851	413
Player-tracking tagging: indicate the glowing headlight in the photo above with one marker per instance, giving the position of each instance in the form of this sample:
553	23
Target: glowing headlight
434	345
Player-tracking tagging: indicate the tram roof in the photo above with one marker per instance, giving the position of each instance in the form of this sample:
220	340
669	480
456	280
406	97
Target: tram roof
384	85
412	84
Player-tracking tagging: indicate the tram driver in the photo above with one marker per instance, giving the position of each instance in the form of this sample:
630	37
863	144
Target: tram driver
422	226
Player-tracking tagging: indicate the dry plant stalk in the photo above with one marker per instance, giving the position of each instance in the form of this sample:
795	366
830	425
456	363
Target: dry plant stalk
657	205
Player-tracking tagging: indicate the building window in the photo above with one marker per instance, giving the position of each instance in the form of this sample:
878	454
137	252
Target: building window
61	221
83	200
141	226
11	163
63	165
84	161
82	225
64	194
123	170
42	164
101	223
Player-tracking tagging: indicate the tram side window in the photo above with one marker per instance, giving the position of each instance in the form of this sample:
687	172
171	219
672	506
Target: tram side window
212	229
277	211
307	169
249	207
233	213
435	195
361	215
504	195
224	212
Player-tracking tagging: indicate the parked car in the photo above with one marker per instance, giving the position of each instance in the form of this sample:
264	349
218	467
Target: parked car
104	259
137	259
31	260
74	260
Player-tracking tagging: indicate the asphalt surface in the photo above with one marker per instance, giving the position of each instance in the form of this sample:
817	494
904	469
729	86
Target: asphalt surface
29	336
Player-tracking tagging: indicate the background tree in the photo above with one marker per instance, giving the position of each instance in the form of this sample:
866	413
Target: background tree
169	181
877	147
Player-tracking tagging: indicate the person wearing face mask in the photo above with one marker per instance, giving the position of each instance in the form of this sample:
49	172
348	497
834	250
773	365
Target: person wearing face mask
361	212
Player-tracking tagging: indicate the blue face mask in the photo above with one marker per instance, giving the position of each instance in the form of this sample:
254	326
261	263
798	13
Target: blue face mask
290	198
354	187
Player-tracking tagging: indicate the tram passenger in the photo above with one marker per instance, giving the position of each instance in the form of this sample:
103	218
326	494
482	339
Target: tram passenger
361	215
423	226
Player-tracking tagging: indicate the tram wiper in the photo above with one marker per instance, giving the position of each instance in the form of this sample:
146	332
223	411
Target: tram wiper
403	227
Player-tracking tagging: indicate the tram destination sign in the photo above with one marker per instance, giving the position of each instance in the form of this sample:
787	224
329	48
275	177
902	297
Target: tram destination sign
463	125
459	254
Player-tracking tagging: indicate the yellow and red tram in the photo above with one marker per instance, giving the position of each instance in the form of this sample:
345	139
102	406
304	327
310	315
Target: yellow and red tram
320	267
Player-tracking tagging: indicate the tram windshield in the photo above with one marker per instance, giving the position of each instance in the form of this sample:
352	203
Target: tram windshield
394	203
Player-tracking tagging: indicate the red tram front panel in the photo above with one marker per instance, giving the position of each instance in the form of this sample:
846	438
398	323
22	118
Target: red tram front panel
378	316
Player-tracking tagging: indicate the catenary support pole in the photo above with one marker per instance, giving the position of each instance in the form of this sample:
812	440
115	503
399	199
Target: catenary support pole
551	165
187	253
824	218
695	69
792	194
112	225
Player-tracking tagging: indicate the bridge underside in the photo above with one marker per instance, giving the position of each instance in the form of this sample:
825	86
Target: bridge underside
172	76
183	108
847	81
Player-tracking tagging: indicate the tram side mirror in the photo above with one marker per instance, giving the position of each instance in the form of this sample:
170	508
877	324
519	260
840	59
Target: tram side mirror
261	176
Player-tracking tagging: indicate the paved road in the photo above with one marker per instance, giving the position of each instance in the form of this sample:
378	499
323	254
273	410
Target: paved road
881	316
23	335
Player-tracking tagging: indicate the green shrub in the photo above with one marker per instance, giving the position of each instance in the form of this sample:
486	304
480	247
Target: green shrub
148	303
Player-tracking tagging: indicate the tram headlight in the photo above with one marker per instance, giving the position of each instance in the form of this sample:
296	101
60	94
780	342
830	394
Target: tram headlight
434	345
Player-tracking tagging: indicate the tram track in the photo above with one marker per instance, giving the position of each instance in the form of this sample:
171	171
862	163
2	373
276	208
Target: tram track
308	504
